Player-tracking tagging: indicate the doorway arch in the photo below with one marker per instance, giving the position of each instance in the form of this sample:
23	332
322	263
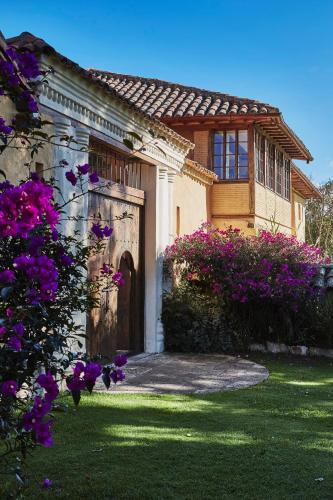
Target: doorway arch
126	308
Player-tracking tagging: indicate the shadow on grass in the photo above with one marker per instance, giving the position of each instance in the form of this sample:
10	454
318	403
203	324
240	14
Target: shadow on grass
269	441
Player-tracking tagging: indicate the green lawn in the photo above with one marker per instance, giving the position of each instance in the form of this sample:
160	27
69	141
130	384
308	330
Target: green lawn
267	442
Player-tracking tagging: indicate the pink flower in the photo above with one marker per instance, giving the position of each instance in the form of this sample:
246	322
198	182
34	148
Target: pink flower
8	388
118	279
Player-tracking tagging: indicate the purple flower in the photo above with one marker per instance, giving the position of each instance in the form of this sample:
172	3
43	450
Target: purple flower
5	129
83	169
28	64
118	279
78	369
3	330
107	231
9	312
15	343
47	483
117	375
100	231
8	388
35	245
29	420
91	373
66	260
71	177
97	230
120	360
7	276
47	382
106	269
25	102
40	407
8	73
93	177
19	329
75	383
55	235
43	433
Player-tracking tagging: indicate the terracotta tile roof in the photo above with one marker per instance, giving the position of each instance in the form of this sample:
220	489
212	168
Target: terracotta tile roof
162	99
174	103
38	45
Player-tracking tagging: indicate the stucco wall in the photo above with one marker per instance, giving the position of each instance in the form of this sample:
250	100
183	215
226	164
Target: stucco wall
271	207
191	196
240	223
12	160
299	216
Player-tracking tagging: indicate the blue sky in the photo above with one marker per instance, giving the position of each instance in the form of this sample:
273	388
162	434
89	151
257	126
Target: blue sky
280	52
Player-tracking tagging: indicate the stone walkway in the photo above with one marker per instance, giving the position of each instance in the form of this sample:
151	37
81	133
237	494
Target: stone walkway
188	373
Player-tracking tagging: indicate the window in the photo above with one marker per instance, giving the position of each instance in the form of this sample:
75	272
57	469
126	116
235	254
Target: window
39	169
230	154
260	158
114	166
178	221
270	167
279	172
286	187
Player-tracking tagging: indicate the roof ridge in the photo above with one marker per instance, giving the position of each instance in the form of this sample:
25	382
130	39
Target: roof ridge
182	86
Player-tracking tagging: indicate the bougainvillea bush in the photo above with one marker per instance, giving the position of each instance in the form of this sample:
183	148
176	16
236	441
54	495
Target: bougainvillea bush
261	281
43	284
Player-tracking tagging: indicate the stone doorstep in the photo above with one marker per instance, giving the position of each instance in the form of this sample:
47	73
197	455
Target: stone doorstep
298	350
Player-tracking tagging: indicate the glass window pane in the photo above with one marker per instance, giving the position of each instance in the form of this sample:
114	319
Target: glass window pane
243	172
230	161
231	148
219	172
231	136
230	173
242	160
218	148
218	137
218	161
242	148
242	136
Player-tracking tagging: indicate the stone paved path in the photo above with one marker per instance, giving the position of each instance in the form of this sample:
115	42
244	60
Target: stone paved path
188	373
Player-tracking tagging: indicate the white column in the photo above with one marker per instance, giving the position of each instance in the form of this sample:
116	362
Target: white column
162	243
80	208
62	127
172	214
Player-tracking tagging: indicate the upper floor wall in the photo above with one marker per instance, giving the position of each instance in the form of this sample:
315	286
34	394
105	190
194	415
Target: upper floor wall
254	186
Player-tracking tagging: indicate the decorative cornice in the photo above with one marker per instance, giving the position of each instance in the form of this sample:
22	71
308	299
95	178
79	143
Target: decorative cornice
55	99
198	172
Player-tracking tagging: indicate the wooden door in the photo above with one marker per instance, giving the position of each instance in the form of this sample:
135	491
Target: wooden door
118	323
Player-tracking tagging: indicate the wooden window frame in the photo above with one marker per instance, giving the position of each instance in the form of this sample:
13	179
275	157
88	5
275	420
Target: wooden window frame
271	167
224	155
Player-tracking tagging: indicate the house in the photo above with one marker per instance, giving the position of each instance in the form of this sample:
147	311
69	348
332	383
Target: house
246	143
205	156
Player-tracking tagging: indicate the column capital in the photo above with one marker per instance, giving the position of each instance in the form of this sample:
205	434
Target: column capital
171	177
82	136
62	125
162	172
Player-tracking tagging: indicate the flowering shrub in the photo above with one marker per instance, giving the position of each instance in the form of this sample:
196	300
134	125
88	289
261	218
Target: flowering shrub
247	273
42	282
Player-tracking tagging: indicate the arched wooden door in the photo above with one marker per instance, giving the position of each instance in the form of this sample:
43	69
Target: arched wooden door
126	305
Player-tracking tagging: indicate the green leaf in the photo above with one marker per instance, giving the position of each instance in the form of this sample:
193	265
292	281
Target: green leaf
160	149
128	143
135	136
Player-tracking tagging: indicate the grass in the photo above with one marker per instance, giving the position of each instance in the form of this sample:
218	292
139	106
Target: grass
271	441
